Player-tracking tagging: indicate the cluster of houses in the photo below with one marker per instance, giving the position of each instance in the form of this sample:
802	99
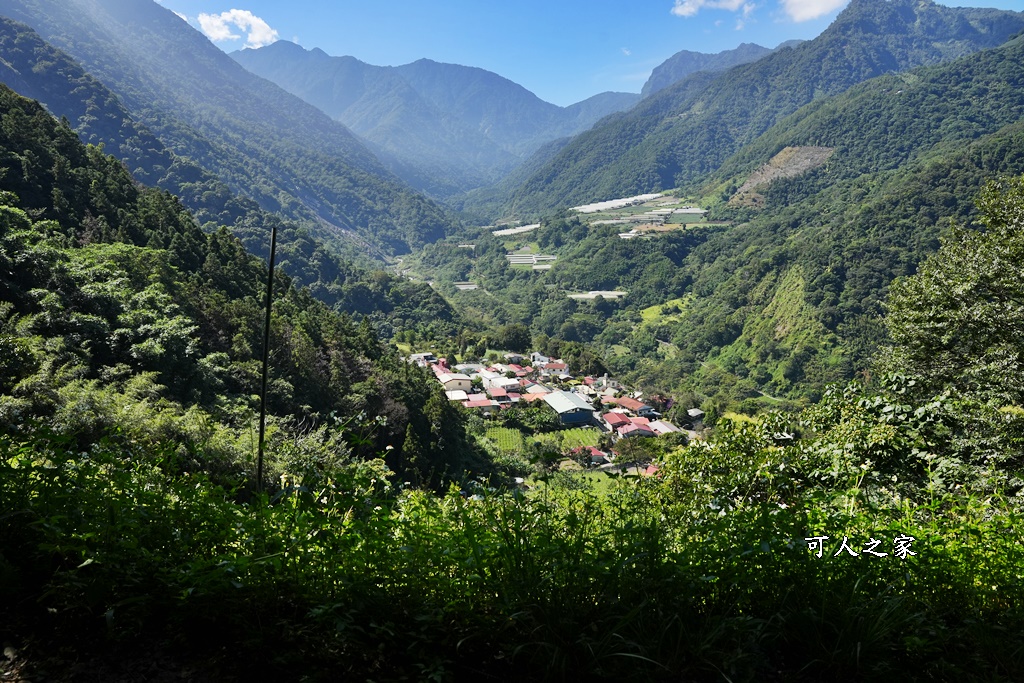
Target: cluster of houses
597	401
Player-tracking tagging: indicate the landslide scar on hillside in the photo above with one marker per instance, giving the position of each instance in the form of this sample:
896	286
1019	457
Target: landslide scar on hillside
789	163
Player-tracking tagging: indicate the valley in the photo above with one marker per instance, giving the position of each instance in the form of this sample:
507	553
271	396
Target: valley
714	381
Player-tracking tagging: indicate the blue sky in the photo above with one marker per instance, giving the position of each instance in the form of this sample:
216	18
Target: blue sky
562	50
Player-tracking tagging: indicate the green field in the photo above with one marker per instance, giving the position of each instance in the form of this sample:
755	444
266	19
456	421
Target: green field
655	314
514	441
507	439
568	439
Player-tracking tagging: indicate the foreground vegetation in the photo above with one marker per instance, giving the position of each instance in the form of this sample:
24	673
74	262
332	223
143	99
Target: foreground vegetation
704	573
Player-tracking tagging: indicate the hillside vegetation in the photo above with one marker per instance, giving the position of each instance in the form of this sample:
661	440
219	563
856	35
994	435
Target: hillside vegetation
783	295
264	143
38	70
876	532
124	322
849	506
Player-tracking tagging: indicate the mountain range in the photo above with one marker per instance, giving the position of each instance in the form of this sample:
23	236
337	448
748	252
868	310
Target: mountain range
38	70
685	62
261	141
829	164
684	131
443	128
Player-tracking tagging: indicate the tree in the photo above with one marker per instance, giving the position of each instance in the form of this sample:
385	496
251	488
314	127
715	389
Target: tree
514	337
958	323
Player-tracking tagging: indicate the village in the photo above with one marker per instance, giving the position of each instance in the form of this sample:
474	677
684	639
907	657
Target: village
612	415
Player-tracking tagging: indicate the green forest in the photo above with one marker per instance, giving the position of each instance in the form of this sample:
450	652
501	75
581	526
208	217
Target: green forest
685	131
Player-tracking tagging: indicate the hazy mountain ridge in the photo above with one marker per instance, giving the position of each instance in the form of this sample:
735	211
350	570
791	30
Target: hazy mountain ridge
687	130
444	128
38	70
261	141
685	62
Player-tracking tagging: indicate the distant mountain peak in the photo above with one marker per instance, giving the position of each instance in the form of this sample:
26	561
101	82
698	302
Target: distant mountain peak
685	62
444	128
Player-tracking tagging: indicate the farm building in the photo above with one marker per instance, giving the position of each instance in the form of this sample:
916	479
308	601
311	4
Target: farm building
499	395
571	409
663	427
484	405
635	406
634	429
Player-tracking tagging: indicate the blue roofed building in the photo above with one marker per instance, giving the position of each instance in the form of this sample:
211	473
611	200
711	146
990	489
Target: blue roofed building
572	409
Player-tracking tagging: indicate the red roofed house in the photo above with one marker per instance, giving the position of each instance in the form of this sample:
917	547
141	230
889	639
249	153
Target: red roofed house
635	430
484	405
498	394
615	420
634	405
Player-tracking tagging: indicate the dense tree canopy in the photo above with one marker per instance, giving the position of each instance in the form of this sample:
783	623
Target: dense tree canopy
958	324
121	316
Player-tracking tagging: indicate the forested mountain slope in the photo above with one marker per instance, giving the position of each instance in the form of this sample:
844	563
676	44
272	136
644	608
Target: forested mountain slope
689	129
121	318
38	70
445	128
791	295
778	297
264	143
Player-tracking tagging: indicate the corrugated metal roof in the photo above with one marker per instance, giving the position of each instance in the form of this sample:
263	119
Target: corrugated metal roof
565	402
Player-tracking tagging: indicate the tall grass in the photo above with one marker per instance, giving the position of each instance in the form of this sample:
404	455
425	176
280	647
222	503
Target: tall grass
343	576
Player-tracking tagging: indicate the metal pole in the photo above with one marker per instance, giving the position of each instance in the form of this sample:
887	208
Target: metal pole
266	355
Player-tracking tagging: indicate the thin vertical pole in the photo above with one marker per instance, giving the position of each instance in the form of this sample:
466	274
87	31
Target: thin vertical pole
266	355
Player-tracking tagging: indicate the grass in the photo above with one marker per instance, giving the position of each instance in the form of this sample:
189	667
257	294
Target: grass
701	574
654	314
514	441
739	417
568	439
508	439
570	473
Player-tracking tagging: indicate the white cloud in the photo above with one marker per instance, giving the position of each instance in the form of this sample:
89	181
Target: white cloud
688	8
626	51
796	10
181	16
218	27
805	10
